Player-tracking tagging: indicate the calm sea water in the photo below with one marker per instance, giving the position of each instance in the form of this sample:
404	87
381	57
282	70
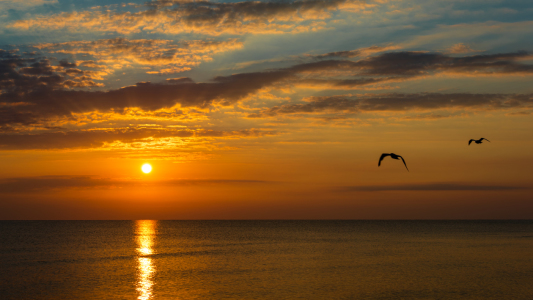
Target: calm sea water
266	260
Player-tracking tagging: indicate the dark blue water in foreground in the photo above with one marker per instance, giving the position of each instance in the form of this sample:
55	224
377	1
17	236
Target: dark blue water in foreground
266	260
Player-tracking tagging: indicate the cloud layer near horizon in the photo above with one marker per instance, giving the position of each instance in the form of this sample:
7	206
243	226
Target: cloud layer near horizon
61	183
438	186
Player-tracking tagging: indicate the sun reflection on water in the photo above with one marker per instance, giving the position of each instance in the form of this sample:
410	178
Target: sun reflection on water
144	235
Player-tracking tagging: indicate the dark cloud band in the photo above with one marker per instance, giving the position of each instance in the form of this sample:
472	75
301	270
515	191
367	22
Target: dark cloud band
432	187
61	183
400	103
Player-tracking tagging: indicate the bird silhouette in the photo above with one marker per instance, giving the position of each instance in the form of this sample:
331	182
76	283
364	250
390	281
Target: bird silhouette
393	156
477	141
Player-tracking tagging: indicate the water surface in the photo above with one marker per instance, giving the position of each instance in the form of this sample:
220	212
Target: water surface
266	260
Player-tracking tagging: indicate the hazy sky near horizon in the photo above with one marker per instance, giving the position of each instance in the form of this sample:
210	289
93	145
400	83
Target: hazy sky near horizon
266	109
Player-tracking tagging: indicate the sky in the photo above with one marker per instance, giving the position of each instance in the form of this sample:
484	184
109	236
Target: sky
266	109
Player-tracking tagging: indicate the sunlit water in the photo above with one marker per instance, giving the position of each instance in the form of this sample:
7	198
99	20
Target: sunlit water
145	233
266	260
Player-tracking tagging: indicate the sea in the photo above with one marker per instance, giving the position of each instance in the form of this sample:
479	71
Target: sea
147	259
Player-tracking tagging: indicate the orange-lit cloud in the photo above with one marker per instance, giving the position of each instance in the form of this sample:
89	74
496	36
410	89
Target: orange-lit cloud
165	56
205	17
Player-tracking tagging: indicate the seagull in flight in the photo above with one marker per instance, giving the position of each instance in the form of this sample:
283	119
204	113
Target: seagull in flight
393	156
477	141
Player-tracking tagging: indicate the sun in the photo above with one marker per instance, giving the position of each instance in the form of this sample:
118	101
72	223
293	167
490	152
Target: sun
147	168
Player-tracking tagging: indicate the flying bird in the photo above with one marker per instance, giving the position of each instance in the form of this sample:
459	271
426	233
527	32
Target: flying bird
477	141
393	156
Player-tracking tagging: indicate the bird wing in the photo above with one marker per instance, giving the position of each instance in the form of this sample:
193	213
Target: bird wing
404	163
485	139
382	157
470	141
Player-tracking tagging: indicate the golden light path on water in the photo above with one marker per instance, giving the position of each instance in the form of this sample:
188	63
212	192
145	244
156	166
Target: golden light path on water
144	233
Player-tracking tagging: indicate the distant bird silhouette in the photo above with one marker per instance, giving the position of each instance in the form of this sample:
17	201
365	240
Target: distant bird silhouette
477	141
393	156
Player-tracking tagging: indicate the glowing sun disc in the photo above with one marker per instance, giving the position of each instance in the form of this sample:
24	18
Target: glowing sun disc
147	168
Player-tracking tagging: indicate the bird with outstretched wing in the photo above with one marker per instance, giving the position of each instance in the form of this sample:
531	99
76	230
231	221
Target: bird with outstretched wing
477	141
393	156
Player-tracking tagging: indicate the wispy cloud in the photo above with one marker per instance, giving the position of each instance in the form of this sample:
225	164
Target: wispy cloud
357	52
445	186
461	48
62	183
21	5
466	33
398	103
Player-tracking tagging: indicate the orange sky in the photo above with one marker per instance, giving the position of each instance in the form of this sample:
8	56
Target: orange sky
281	114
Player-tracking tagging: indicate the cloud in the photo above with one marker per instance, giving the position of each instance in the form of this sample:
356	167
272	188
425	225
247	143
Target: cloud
446	186
519	113
357	52
45	103
394	67
205	17
398	103
146	138
45	96
473	31
20	74
61	183
33	82
24	73
6	5
461	48
165	56
420	63
388	67
428	116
